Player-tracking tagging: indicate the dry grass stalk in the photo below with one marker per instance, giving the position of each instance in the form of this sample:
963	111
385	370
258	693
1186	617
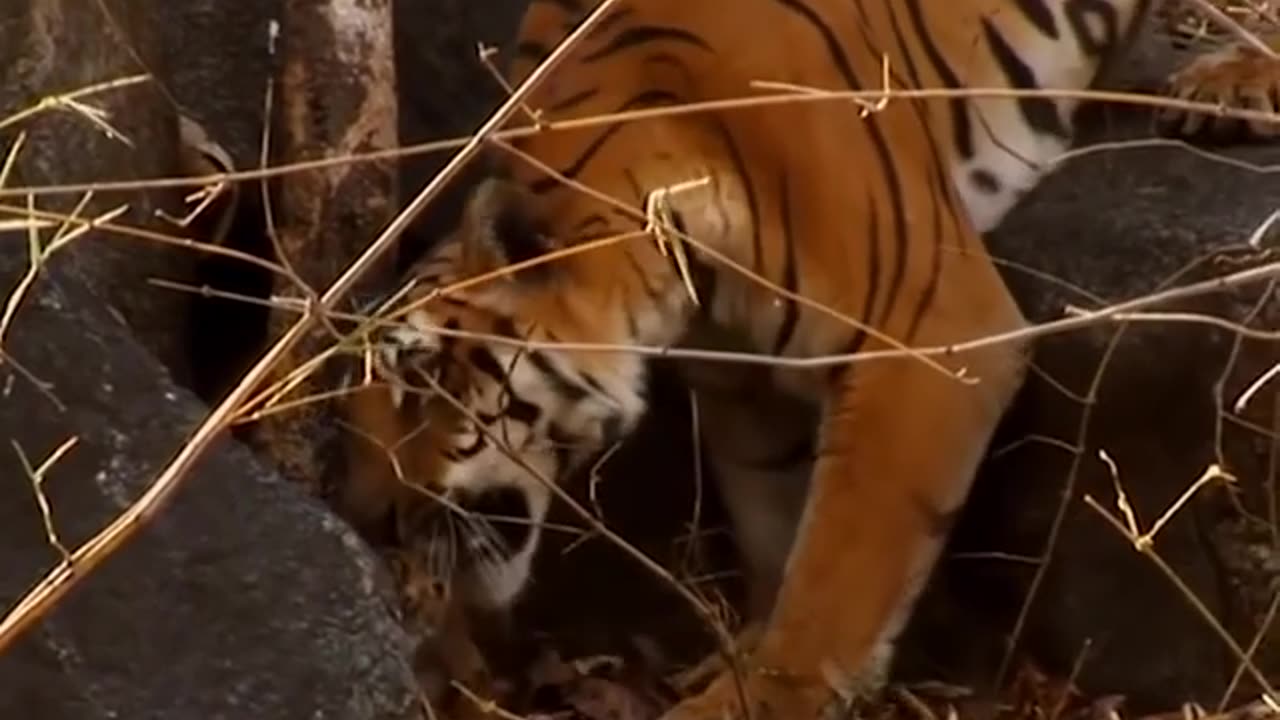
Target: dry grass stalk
85	558
101	545
805	95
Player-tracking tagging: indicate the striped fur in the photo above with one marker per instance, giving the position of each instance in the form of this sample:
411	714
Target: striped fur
876	216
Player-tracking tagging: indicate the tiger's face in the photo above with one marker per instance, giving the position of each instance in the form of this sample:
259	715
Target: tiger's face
484	423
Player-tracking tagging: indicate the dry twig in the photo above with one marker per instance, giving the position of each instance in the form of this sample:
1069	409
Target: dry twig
85	558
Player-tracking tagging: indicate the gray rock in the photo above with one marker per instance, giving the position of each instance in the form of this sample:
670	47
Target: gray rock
446	92
1119	224
216	64
243	599
246	598
63	46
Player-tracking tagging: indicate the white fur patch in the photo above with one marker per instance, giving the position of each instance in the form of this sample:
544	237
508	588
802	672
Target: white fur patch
1006	147
417	336
497	584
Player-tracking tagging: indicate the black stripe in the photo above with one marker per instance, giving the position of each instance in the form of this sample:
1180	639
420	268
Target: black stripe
985	180
873	272
940	165
925	302
661	60
633	329
904	241
962	127
885	157
866	17
1038	13
458	454
521	410
544	185
791	313
562	384
903	48
645	99
593	225
448	341
482	359
942	190
705	279
1040	113
637	192
642	34
1078	12
593	383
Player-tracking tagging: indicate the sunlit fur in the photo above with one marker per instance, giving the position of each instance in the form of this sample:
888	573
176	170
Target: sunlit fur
875	216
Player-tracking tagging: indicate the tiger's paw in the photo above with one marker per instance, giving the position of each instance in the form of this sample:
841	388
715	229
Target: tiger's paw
1235	77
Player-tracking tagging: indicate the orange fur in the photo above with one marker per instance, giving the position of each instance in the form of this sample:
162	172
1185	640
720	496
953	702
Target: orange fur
877	217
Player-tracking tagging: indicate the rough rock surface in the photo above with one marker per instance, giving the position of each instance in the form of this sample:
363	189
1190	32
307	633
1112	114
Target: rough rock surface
445	91
64	46
217	66
244	599
1121	224
247	600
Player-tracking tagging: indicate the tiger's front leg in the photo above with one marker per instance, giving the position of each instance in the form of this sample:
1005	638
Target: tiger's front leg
900	443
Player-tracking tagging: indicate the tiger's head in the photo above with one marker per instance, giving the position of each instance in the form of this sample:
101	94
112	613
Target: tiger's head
480	415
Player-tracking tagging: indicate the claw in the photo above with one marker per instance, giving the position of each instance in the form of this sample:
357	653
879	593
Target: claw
1237	77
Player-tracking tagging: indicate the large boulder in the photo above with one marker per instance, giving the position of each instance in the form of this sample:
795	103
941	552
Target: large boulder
65	46
243	598
1121	224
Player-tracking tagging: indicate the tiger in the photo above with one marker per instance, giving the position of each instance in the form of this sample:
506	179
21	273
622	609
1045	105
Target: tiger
798	236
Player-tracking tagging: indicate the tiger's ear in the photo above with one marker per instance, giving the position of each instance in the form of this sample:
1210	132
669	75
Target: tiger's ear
503	226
